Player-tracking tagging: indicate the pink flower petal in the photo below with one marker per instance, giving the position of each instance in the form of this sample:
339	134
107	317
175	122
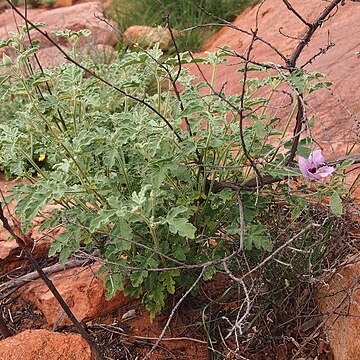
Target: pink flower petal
317	158
304	164
325	171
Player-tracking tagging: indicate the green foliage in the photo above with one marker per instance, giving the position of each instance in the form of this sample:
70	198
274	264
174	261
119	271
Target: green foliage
184	14
336	203
126	185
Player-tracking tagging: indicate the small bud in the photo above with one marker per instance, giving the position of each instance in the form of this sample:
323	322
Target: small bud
136	210
6	60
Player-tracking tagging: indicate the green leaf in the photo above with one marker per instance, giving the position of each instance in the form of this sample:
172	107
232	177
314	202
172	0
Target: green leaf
283	171
311	122
6	60
180	249
167	278
298	80
156	301
64	254
304	147
110	158
123	229
31	204
55	247
4	78
113	282
320	85
258	236
118	238
27	53
180	225
137	277
336	204
103	218
209	273
27	28
48	224
4	43
344	165
140	198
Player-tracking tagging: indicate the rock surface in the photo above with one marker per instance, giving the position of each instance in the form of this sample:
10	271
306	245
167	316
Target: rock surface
44	345
147	36
76	17
337	114
62	3
340	298
82	290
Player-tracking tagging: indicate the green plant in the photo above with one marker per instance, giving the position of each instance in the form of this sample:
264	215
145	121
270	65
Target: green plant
35	3
183	14
49	3
157	184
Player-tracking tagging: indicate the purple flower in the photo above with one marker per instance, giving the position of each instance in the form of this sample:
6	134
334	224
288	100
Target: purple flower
314	167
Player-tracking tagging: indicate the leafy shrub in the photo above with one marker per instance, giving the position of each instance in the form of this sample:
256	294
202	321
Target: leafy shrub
139	172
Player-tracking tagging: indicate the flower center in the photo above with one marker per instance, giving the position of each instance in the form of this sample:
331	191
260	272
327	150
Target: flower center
312	170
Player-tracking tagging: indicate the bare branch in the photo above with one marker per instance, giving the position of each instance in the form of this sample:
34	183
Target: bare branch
239	322
4	330
312	28
279	249
291	8
246	32
22	280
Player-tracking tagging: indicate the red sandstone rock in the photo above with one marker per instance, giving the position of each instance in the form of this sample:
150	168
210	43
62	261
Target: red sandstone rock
83	291
341	297
76	17
44	345
147	36
62	3
11	255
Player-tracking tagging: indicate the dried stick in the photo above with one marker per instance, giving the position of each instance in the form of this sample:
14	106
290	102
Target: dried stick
242	223
280	248
233	26
291	8
4	330
241	111
348	292
15	284
268	179
23	241
312	28
239	322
